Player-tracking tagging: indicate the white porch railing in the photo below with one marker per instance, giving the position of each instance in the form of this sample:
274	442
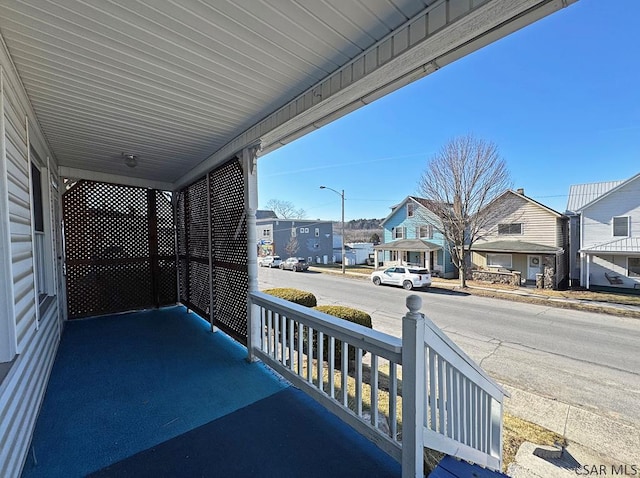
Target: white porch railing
404	395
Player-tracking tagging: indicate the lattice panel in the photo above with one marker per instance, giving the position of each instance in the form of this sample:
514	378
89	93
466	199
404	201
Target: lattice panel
112	249
229	232
193	247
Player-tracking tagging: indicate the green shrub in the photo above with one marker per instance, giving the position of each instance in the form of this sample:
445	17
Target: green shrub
346	313
296	296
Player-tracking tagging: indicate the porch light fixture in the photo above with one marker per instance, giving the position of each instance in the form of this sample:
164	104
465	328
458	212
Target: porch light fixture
341	194
130	160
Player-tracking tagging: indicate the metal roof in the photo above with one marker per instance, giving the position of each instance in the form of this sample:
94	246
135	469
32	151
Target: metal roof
185	85
582	194
621	246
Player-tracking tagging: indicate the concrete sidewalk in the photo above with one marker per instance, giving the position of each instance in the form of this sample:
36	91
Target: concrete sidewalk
593	439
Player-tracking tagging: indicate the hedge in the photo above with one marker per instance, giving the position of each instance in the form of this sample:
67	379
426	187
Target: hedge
296	296
346	313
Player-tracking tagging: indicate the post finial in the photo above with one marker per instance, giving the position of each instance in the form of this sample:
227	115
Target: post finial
414	303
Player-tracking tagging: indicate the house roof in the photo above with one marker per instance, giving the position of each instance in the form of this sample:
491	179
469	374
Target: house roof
620	246
518	247
532	201
421	202
609	191
583	194
408	245
265	214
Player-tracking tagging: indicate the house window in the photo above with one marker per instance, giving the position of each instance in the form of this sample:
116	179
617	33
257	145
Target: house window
39	237
424	232
266	232
621	226
633	267
306	230
499	260
397	232
317	232
509	229
393	256
410	209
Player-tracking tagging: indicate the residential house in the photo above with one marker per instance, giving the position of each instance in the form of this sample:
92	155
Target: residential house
412	235
524	236
605	235
310	239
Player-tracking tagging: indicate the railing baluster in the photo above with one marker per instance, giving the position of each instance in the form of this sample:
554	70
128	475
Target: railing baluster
449	399
358	381
441	403
283	339
374	390
393	399
276	335
331	366
290	345
263	325
320	361
269	325
310	355
432	388
343	376
300	347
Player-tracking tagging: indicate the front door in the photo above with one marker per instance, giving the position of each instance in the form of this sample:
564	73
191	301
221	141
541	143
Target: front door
535	267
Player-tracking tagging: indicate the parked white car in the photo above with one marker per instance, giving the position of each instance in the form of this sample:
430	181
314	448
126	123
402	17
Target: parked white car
407	277
269	261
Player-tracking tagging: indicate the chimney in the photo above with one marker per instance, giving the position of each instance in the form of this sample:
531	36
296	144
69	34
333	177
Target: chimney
520	191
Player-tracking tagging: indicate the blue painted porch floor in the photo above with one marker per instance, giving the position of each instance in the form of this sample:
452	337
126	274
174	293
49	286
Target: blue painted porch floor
155	393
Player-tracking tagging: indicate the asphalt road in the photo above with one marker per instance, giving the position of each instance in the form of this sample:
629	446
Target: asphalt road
585	359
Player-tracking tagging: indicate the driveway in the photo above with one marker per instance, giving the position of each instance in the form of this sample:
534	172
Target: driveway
584	359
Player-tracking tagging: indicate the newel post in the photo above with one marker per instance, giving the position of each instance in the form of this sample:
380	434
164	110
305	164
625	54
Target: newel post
413	389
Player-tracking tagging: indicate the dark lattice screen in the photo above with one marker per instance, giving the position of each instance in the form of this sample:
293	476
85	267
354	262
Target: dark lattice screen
228	274
193	247
112	249
229	231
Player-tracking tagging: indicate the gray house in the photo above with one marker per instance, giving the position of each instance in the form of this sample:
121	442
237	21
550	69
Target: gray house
310	239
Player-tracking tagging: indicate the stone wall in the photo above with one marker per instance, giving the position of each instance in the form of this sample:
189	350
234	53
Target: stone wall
493	277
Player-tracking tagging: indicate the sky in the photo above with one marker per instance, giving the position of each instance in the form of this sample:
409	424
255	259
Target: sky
560	98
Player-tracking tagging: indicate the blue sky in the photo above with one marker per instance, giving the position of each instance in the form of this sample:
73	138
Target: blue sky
560	98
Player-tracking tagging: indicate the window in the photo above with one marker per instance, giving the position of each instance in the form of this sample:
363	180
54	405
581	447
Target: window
293	232
306	230
424	232
397	232
633	267
512	228
393	256
621	226
39	232
410	209
266	232
317	232
499	260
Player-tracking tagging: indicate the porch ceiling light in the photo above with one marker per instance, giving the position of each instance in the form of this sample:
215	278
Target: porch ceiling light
130	160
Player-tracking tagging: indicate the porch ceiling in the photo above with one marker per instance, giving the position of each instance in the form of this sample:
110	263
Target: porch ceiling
177	82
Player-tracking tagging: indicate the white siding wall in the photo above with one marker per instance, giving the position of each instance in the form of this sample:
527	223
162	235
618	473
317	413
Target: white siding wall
597	220
22	389
538	225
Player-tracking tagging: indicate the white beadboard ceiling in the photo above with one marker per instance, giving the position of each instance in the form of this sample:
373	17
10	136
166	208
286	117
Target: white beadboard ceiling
173	82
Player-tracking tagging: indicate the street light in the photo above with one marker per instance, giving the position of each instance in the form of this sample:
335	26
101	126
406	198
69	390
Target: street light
341	194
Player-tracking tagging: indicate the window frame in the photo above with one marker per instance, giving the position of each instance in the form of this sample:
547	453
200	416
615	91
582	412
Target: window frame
510	226
635	273
429	228
491	255
395	230
627	226
411	210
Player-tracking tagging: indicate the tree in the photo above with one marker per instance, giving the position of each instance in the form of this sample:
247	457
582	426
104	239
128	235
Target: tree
459	182
375	238
292	247
285	209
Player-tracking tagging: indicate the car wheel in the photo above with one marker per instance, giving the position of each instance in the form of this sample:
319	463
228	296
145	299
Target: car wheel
376	281
408	285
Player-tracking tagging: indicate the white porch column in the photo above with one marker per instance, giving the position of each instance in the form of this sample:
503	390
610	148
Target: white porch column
375	259
413	390
249	166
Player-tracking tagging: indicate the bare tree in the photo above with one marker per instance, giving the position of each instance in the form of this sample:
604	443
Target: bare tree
292	247
459	182
285	209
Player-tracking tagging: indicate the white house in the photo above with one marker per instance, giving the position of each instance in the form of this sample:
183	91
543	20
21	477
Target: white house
605	234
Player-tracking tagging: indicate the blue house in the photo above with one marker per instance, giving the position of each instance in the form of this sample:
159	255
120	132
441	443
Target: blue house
412	236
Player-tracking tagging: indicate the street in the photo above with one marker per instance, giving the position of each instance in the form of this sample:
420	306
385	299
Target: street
583	359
